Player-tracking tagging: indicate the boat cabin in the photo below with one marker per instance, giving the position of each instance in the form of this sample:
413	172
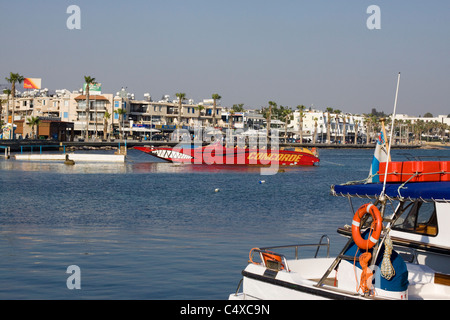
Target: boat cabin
420	223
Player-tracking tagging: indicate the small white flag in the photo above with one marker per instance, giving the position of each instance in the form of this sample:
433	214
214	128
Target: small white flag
380	155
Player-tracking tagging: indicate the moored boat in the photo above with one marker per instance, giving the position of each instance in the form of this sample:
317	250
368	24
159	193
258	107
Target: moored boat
371	265
400	255
220	155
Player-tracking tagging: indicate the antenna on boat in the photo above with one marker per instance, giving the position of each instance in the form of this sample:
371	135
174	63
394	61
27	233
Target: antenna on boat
390	138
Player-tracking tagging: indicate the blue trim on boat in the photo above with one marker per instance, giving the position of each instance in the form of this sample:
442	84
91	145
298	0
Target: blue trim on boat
418	190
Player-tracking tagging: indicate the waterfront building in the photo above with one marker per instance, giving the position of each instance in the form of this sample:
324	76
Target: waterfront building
342	127
48	128
165	112
445	119
105	117
141	117
247	120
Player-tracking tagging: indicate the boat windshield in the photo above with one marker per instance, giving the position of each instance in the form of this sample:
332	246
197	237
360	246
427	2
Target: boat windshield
420	219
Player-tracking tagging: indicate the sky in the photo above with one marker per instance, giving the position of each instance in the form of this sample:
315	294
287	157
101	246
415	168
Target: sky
314	53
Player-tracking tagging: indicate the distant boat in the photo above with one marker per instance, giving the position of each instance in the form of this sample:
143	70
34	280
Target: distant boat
219	155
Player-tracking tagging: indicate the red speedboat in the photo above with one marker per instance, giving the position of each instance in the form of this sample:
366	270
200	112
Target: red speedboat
217	154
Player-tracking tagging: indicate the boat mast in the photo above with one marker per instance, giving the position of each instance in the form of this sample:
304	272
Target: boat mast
390	138
382	197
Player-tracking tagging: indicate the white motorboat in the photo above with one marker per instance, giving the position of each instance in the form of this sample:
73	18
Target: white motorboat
403	254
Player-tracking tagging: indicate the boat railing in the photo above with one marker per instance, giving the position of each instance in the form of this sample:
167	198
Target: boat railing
408	254
298	246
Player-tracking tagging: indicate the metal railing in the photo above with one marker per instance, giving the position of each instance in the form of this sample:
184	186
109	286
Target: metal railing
42	146
297	246
267	250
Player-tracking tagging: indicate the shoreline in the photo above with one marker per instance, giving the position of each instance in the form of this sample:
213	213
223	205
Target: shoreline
27	145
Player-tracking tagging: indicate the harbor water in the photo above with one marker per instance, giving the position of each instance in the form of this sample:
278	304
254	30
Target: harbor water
145	229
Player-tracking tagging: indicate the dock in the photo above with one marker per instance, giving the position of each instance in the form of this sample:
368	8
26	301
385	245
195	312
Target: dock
77	157
27	145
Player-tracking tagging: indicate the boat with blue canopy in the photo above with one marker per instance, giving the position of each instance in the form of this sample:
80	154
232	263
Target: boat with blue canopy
408	259
398	245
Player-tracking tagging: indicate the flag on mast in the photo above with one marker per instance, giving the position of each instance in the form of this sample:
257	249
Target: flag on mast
380	155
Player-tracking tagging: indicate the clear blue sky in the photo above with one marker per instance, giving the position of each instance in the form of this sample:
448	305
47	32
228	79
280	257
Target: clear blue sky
292	52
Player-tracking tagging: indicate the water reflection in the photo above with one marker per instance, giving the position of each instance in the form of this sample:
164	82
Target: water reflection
136	162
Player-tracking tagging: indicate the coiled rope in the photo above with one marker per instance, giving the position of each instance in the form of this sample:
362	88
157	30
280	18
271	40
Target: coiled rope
387	270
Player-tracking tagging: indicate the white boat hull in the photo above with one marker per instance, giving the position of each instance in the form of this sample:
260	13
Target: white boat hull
262	283
300	283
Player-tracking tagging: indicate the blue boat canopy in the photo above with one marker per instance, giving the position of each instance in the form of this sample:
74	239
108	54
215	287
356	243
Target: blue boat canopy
436	191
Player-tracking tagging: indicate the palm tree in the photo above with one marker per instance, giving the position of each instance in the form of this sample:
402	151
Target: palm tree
236	108
287	115
1	112
336	124
344	128
301	109
232	112
33	121
269	116
367	123
88	80
328	110
181	97
106	116
8	93
315	129
200	109
408	129
442	127
215	97
121	112
419	126
356	131
13	78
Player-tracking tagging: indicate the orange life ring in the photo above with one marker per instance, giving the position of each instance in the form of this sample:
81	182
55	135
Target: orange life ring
377	224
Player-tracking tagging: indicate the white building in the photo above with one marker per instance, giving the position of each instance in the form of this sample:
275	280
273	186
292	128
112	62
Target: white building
340	124
440	118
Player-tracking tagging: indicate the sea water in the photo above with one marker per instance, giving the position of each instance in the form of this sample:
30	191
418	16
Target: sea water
145	229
